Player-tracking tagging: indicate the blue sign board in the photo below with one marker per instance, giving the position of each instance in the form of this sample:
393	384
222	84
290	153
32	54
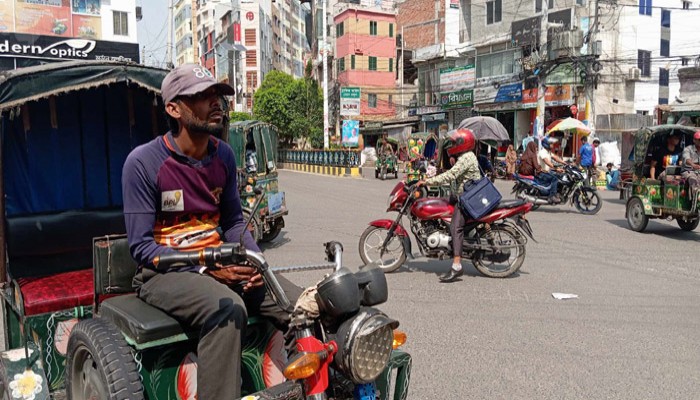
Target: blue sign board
510	92
350	133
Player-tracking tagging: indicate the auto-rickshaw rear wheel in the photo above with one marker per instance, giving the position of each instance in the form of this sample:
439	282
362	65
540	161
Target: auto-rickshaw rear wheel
275	229
688	225
636	218
254	227
100	364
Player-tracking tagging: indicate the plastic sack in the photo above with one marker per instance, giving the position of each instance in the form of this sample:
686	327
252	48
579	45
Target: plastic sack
368	154
608	152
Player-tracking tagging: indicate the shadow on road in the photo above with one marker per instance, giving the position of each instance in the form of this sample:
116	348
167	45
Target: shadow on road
438	268
555	210
279	241
655	228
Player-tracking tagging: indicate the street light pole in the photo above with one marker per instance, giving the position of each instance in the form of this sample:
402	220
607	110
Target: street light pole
325	75
538	129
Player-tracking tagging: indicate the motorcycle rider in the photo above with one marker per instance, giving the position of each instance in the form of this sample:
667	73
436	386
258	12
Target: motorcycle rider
462	145
546	176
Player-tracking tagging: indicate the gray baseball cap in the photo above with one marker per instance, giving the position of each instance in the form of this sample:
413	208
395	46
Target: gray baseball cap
190	79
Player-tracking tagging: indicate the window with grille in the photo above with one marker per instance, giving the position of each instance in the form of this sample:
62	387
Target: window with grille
340	29
372	100
373	63
373	28
341	64
644	62
391	30
645	7
121	23
391	65
352	61
493	12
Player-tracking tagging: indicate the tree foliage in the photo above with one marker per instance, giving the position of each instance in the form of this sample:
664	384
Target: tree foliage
294	106
235	116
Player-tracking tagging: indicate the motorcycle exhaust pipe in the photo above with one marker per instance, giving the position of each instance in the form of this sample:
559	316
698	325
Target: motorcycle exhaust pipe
532	199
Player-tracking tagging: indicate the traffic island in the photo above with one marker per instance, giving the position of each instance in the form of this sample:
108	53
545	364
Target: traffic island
352	172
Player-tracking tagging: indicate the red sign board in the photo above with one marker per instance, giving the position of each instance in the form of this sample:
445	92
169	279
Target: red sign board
249	16
236	33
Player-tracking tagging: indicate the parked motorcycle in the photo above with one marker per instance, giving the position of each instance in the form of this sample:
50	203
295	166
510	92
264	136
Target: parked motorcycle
571	189
495	244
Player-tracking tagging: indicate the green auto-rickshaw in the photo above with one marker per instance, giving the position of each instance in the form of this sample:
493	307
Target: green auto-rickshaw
255	145
667	197
387	160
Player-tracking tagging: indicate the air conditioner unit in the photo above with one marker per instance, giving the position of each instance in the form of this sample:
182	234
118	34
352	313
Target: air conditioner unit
634	74
568	40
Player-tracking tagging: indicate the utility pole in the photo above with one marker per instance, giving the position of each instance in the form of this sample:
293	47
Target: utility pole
325	75
169	44
401	72
590	89
538	129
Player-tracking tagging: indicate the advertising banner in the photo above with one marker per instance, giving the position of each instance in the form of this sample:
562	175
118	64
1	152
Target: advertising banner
87	27
461	99
90	7
7	15
457	78
51	47
553	96
43	17
350	101
350	133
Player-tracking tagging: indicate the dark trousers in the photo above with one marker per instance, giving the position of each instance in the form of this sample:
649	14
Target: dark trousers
220	314
549	179
591	175
457	231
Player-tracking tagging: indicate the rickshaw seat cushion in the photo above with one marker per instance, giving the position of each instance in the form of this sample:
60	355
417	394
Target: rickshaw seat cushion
40	245
56	292
139	320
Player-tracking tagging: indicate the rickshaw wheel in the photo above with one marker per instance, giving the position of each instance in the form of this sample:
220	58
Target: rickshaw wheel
100	364
688	225
254	227
636	218
275	230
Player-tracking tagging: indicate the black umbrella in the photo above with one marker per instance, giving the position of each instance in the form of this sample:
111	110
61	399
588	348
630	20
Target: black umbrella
486	129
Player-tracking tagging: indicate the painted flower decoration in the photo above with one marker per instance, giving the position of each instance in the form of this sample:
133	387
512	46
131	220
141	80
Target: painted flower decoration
26	385
16	354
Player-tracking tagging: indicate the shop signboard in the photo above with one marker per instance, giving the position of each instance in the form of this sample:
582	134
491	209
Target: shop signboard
526	31
510	92
58	48
553	96
43	17
350	101
460	99
350	133
457	78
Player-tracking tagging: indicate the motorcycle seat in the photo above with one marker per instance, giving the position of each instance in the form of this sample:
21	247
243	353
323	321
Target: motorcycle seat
510	203
140	321
530	177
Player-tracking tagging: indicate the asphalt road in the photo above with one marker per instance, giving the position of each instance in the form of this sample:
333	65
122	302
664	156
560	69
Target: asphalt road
633	333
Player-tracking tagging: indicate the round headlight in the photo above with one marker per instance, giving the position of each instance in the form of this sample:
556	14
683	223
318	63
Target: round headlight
365	345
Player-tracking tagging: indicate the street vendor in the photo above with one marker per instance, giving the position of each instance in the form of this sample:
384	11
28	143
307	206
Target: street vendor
179	189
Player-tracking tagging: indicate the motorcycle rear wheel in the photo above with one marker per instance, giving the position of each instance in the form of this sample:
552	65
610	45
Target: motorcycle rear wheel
504	262
370	241
587	201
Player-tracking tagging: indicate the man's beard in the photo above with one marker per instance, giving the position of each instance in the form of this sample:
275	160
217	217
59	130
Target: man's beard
197	126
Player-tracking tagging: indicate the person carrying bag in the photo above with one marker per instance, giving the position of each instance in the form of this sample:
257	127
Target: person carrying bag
466	169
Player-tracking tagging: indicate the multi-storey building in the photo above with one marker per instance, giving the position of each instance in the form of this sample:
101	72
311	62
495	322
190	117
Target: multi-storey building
29	29
365	57
182	25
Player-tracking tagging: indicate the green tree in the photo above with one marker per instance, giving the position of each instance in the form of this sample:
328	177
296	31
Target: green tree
272	99
306	112
235	116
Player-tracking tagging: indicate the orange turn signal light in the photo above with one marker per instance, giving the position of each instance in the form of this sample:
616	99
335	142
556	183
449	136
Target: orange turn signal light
417	194
399	339
303	366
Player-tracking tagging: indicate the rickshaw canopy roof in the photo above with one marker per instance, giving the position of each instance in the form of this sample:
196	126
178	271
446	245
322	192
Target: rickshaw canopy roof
646	134
33	83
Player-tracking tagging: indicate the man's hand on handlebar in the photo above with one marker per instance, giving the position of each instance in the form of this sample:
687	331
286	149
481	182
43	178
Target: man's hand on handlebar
234	274
254	282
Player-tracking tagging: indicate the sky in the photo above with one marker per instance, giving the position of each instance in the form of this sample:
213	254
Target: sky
152	31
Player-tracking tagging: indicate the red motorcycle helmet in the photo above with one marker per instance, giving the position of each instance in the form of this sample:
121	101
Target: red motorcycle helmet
462	140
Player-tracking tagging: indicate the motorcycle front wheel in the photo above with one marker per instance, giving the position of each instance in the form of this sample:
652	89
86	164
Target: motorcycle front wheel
587	201
370	249
506	255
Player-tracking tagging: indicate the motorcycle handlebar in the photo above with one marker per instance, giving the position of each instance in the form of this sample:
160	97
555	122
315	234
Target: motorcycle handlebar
227	254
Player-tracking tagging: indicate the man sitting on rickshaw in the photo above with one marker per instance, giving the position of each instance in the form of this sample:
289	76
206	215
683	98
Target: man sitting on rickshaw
666	156
691	166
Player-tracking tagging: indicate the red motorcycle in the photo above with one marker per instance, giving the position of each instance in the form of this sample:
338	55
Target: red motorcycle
494	243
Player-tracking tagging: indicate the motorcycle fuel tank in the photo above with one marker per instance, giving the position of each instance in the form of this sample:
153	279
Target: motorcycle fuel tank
432	209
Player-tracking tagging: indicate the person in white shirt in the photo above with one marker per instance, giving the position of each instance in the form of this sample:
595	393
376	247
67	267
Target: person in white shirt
545	157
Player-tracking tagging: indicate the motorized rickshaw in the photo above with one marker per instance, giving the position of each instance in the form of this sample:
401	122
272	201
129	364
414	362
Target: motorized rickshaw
71	319
422	148
255	144
668	197
387	159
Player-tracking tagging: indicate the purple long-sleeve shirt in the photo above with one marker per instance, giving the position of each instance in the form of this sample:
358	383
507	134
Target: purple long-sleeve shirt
174	202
